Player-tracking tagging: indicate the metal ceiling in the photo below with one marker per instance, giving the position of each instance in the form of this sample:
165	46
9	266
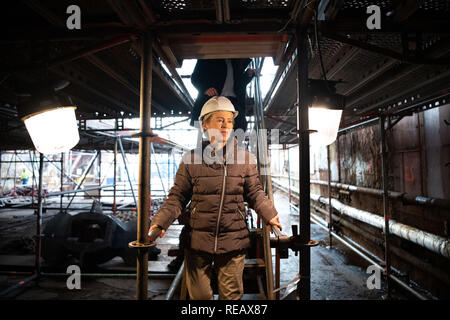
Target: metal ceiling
406	61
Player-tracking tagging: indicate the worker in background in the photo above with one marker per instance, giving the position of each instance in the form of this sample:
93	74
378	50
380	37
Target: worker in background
217	187
24	176
224	77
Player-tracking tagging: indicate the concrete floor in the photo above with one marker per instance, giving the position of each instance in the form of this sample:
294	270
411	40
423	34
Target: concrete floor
334	274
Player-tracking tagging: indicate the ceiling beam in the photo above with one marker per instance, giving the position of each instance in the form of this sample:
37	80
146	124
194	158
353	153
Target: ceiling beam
386	52
406	9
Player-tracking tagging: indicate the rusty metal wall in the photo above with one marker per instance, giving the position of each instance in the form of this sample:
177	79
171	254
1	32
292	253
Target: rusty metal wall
418	164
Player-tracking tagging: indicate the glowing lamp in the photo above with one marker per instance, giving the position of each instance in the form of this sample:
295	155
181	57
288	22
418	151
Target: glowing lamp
325	123
51	123
324	112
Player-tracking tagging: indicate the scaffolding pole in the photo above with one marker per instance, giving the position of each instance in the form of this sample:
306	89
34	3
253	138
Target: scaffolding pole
266	179
386	215
143	208
115	174
126	169
39	218
304	285
330	208
83	177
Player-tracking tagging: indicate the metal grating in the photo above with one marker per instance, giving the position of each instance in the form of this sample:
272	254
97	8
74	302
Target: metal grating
363	4
403	87
390	41
436	5
328	47
352	74
181	5
261	4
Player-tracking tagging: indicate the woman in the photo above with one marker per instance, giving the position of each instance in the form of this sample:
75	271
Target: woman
217	187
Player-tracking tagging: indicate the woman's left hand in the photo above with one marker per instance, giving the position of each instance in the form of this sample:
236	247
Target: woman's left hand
275	221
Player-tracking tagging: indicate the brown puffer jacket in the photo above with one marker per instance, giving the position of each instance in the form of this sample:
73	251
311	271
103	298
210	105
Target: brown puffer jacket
217	192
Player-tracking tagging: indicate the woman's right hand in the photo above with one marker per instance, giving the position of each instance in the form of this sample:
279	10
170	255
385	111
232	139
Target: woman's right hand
155	226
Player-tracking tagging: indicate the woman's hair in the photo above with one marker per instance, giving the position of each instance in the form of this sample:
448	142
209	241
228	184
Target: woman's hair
207	117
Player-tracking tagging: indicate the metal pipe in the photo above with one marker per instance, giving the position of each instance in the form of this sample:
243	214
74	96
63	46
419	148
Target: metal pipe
358	125
304	285
100	173
126	168
61	181
144	205
330	209
289	174
39	217
18	285
67	175
91	162
157	168
386	215
277	272
424	266
7	172
262	149
395	195
115	174
33	180
366	235
425	239
111	275
316	220
60	193
175	283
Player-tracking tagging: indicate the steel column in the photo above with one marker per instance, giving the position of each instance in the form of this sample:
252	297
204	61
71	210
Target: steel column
266	178
385	204
289	176
99	174
143	208
39	218
62	181
115	175
330	208
304	285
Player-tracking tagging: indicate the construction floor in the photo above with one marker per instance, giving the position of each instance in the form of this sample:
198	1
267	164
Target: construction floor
336	273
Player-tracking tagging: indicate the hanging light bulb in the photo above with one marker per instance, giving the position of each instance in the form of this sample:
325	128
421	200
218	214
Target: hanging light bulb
54	130
324	112
325	123
51	122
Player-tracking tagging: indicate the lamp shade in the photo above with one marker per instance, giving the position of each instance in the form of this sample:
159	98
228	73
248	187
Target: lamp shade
326	122
54	130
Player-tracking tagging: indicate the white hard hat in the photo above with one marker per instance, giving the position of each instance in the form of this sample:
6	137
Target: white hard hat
217	103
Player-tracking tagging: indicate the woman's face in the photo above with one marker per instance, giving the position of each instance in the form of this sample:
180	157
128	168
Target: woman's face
219	126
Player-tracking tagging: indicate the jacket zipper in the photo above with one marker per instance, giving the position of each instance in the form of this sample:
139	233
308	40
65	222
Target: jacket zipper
220	207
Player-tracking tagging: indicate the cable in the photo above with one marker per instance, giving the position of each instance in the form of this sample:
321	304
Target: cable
324	74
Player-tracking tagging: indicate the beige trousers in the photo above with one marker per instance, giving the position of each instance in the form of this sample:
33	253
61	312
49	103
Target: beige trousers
229	268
